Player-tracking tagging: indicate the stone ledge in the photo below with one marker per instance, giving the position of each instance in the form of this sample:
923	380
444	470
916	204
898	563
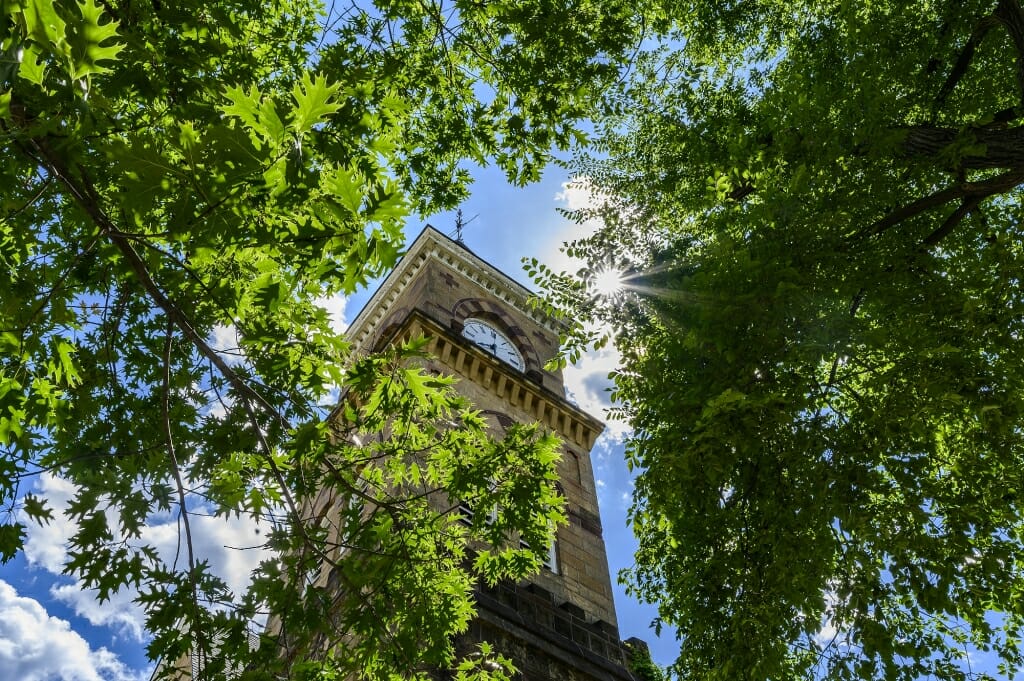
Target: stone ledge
561	631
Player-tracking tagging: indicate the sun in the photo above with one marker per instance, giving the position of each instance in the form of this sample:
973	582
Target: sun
608	282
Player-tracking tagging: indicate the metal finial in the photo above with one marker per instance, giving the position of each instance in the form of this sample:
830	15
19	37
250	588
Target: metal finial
459	224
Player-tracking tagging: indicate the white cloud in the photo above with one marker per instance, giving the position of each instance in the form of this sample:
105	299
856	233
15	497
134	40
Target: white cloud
224	340
335	306
587	384
227	543
574	195
832	632
219	407
577	194
45	545
224	542
586	381
119	612
209	401
35	646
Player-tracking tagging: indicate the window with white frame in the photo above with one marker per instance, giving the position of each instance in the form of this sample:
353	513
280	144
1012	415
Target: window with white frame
549	560
466	513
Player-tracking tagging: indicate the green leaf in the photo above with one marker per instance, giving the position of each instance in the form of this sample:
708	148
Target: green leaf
257	113
175	171
188	138
46	26
87	43
312	102
67	372
12	539
31	68
36	509
386	204
814	328
416	381
244	105
347	187
269	292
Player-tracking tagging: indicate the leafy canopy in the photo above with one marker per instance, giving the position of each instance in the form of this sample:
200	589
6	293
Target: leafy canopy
179	171
817	206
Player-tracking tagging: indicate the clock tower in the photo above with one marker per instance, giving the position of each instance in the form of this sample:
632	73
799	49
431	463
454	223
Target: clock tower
559	624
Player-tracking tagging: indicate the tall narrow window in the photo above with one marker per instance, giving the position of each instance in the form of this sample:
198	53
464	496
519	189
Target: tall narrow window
466	513
549	560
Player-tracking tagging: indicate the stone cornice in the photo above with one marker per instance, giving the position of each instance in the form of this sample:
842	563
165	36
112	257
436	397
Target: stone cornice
431	244
470	362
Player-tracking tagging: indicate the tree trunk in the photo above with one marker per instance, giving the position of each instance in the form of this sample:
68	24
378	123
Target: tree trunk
981	148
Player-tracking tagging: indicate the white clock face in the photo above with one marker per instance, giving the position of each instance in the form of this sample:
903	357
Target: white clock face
493	341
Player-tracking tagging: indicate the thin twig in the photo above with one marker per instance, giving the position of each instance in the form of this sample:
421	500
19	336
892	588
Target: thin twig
88	198
165	408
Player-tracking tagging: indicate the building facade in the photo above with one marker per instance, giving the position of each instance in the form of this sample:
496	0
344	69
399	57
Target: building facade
559	624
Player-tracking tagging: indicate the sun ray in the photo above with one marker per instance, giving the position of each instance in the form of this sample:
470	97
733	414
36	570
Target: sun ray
608	282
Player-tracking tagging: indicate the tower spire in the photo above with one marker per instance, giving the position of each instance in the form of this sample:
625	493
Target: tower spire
459	224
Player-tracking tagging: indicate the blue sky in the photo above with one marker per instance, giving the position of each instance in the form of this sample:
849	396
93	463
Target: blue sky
52	629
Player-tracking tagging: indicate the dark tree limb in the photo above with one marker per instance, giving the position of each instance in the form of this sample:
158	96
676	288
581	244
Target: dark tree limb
965	207
964	59
38	195
165	418
993	148
1011	16
86	196
741	192
965	191
1007	115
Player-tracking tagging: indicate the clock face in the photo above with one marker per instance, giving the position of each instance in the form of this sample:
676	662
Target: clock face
493	341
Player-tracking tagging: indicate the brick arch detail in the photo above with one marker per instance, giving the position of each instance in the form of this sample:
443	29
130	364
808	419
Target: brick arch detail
575	465
386	327
503	419
493	312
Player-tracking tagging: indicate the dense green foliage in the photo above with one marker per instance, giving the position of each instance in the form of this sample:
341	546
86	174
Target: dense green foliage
638	657
175	170
818	208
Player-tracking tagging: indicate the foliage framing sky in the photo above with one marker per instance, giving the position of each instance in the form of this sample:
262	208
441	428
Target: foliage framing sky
52	630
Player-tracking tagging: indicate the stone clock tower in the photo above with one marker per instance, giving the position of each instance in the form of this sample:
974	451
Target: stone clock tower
558	625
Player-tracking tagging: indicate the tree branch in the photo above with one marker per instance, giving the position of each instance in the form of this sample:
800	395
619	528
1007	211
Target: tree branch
993	148
965	207
42	190
165	414
89	200
44	301
963	60
964	190
1010	15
